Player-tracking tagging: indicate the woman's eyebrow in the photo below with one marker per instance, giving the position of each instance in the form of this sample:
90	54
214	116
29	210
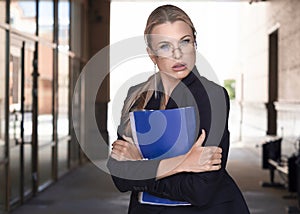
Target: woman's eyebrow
164	41
188	35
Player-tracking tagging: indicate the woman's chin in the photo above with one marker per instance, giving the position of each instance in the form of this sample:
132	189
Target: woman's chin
179	75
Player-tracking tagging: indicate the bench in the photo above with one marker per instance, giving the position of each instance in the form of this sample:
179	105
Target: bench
279	166
271	159
288	166
274	161
285	166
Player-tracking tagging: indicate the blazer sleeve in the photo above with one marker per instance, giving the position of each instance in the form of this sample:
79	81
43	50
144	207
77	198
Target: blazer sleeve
133	175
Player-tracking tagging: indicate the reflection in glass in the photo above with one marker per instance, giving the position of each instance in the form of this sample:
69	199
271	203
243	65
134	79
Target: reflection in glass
63	96
45	118
14	94
28	91
2	89
45	164
27	169
63	156
2	11
15	172
64	24
46	19
2	186
2	109
23	15
28	85
15	115
63	85
63	112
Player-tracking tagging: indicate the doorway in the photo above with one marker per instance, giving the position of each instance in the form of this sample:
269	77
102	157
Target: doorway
20	121
273	83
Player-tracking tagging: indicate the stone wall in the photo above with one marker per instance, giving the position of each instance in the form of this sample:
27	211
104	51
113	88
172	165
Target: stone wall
258	20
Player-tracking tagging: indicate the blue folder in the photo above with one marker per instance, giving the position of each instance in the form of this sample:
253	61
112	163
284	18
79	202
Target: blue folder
161	134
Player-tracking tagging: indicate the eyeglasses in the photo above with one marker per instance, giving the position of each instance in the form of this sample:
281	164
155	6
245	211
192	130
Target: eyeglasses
167	49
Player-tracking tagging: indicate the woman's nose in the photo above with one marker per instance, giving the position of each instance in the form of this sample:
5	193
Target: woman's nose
177	54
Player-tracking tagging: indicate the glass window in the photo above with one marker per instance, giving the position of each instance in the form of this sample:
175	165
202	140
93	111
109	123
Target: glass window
2	92
63	95
23	15
45	116
45	165
75	66
2	11
45	94
63	111
63	68
63	84
28	84
2	186
64	24
46	19
2	114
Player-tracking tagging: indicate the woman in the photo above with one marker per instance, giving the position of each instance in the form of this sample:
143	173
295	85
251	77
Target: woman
198	177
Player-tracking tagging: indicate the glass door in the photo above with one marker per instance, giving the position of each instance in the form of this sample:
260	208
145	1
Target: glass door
45	135
20	120
3	148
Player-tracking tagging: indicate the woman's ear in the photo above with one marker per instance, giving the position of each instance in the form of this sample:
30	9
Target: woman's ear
152	55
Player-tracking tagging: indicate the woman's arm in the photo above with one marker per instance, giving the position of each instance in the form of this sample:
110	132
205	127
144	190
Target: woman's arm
198	159
196	188
129	175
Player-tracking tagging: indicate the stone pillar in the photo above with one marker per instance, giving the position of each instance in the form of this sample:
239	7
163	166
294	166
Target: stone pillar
98	38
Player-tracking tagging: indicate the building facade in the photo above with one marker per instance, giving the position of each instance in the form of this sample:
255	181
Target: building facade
44	45
268	72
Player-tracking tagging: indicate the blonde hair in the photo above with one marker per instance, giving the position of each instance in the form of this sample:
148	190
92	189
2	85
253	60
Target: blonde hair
163	14
139	98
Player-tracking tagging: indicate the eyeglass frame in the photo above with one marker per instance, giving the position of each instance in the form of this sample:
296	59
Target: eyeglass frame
172	47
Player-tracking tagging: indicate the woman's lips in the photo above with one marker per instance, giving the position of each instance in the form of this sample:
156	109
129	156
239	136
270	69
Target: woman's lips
179	67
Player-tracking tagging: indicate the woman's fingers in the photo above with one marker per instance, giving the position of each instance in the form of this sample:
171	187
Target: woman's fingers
215	168
118	150
200	140
116	155
125	150
217	156
202	158
216	161
120	145
128	139
209	155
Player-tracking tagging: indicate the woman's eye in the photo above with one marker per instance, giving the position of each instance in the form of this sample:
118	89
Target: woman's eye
185	42
165	47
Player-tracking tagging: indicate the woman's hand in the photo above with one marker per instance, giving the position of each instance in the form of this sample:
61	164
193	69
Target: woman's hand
125	150
201	159
197	159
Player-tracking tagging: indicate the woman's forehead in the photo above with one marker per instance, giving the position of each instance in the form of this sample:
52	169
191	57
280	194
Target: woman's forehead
172	29
170	32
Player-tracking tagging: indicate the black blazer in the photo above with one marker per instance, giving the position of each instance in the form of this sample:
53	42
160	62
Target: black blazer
208	192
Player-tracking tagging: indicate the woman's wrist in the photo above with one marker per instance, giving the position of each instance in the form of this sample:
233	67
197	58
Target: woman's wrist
169	166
